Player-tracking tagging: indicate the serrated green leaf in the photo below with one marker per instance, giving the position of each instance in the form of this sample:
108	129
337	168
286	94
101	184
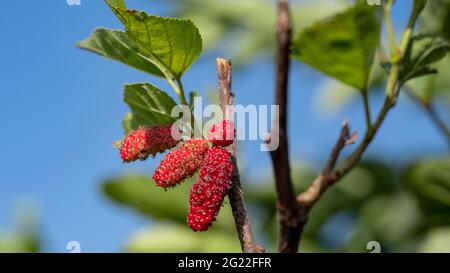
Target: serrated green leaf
116	3
172	44
117	45
342	46
149	105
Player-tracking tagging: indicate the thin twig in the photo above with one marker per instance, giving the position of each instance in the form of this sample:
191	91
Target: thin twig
235	194
331	174
287	206
328	176
431	111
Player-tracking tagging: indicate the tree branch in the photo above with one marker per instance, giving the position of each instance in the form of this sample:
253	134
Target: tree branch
431	111
328	176
235	194
331	174
287	206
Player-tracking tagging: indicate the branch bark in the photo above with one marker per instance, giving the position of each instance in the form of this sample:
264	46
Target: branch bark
287	207
235	194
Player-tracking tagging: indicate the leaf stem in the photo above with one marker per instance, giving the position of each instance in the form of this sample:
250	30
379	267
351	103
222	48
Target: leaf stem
390	28
181	91
367	113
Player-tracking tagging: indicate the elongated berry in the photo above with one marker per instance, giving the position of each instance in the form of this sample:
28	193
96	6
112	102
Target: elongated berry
145	141
222	133
207	194
181	163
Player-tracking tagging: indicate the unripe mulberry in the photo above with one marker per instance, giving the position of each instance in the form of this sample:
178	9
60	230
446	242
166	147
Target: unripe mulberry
181	163
208	192
222	133
145	141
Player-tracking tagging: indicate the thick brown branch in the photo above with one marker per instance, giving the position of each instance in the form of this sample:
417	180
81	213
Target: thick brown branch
235	194
287	206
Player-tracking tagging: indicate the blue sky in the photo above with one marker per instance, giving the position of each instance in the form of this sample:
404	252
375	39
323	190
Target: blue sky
62	109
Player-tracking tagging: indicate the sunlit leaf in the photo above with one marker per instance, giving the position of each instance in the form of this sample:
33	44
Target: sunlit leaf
342	46
117	45
172	44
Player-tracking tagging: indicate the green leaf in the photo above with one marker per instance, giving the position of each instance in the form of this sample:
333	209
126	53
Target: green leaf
170	43
141	194
423	51
420	72
149	105
117	45
434	53
418	7
342	46
431	179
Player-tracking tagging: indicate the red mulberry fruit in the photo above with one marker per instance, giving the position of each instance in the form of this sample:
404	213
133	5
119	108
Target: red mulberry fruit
222	133
145	141
208	192
181	163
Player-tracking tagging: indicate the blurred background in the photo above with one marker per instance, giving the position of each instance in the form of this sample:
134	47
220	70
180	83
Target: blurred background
63	181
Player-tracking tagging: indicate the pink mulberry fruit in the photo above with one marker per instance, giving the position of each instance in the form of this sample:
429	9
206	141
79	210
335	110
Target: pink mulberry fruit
222	133
208	192
181	163
145	141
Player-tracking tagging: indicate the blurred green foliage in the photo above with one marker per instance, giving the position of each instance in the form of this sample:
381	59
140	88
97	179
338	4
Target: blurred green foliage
245	29
405	208
24	236
342	46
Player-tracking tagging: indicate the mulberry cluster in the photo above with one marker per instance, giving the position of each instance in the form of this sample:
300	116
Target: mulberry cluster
208	192
222	133
181	163
216	165
145	141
